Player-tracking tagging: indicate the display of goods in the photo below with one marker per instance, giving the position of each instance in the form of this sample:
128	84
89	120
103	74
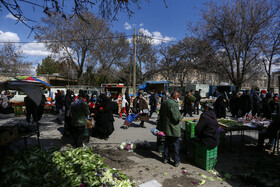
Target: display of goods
254	118
229	122
68	167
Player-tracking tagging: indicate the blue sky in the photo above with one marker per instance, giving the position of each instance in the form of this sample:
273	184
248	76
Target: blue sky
153	19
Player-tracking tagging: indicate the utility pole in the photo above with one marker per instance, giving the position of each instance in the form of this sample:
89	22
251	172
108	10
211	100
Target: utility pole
134	64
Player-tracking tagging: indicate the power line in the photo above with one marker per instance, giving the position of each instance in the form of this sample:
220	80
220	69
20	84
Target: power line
78	40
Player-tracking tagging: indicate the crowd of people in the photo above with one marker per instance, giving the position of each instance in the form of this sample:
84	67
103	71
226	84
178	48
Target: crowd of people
79	111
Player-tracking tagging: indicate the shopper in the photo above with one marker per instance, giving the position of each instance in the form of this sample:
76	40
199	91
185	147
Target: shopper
79	111
123	109
144	109
104	120
169	123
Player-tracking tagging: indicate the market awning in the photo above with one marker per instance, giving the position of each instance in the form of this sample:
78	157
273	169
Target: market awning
32	90
35	80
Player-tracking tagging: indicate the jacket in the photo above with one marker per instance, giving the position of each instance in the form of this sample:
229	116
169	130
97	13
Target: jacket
170	118
79	111
207	129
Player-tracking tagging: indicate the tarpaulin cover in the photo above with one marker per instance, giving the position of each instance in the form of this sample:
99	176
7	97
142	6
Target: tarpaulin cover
32	90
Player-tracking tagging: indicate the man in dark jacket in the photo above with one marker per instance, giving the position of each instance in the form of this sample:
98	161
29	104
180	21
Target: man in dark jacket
169	123
207	127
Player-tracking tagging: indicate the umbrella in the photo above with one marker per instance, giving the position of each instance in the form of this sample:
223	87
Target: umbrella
35	80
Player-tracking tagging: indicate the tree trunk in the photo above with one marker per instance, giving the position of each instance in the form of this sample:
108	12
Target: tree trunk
268	82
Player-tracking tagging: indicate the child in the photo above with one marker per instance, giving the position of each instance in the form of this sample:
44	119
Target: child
124	103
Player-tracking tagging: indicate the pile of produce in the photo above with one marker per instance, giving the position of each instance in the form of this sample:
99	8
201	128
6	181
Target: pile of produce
70	167
229	122
255	119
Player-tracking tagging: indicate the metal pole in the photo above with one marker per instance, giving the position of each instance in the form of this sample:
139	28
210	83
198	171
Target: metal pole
134	64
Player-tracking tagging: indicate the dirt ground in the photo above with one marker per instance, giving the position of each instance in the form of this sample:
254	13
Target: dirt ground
234	167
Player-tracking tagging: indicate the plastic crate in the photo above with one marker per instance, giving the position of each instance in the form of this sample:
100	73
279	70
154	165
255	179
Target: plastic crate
190	129
160	144
206	164
204	152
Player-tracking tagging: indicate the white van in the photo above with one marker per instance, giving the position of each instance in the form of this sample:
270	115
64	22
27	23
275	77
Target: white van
18	97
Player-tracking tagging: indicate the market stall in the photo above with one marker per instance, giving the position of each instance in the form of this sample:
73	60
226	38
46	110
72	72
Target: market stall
11	131
241	125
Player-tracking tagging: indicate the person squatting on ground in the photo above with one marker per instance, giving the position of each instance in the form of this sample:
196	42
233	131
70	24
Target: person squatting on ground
169	123
207	127
144	109
124	104
79	112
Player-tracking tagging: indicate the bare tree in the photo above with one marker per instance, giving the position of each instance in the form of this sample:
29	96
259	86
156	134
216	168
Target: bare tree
234	28
111	53
11	61
73	36
145	53
270	48
108	9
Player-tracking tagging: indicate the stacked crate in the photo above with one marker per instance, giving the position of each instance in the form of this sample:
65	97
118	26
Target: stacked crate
190	129
205	158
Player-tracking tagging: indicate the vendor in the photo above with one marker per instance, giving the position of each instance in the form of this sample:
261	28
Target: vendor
270	133
206	129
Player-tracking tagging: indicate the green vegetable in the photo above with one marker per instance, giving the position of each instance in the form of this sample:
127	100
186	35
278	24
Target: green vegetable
70	167
201	182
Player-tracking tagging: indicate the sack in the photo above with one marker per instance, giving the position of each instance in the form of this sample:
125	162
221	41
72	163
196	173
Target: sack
145	111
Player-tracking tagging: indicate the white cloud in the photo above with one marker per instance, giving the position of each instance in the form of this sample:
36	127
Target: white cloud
10	16
141	25
8	37
127	26
157	37
35	49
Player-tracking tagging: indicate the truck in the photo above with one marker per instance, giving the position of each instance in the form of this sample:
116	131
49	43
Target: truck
204	89
157	86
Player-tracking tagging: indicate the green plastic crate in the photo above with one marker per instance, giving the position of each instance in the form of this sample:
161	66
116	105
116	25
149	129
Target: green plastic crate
204	152
190	129
206	164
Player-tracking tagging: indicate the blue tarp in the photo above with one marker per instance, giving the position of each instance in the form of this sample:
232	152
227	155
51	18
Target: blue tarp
144	86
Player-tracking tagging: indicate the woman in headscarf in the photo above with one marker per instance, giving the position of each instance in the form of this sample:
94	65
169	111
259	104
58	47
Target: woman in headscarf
144	109
104	125
220	107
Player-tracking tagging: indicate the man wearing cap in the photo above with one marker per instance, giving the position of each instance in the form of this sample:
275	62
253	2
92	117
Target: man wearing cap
169	123
207	127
